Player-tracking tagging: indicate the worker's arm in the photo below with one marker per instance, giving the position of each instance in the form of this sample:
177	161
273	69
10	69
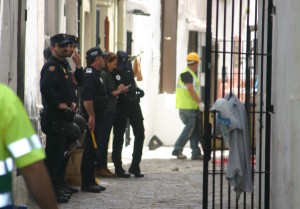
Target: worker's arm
39	185
193	93
89	107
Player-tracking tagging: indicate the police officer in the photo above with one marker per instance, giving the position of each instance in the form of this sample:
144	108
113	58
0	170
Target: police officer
59	105
128	107
77	76
94	97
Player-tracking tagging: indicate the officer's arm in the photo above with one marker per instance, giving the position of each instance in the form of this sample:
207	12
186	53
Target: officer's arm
79	75
39	185
48	84
193	93
89	107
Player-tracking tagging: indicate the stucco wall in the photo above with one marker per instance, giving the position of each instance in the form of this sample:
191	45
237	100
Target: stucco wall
285	172
161	117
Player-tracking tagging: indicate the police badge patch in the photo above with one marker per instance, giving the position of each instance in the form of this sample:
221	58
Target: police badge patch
89	70
51	68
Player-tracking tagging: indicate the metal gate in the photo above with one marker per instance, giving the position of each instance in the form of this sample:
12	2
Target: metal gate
238	61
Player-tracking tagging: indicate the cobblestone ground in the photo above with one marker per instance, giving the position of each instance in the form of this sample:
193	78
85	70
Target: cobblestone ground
169	183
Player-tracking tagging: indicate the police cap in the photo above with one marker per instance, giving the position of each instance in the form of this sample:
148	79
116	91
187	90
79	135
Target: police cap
93	52
73	39
60	38
122	58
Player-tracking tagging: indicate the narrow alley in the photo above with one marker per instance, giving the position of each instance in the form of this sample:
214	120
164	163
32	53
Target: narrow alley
168	183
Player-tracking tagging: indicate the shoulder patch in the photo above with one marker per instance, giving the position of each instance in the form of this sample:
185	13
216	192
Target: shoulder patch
89	70
51	68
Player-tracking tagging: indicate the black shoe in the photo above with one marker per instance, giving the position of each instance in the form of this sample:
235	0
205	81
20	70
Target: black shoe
61	193
121	173
61	199
102	188
73	190
136	172
95	188
66	190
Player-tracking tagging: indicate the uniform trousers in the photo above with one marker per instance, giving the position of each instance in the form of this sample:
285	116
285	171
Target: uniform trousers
55	147
133	112
90	153
104	139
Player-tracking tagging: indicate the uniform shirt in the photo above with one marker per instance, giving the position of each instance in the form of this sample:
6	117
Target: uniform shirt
56	84
186	77
126	77
110	87
93	88
18	142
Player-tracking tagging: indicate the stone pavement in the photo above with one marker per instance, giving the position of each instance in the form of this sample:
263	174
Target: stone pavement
169	183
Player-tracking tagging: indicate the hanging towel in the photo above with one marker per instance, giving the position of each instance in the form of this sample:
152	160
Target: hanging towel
238	171
137	70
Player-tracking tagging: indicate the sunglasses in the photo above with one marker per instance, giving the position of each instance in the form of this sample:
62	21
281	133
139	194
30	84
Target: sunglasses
63	45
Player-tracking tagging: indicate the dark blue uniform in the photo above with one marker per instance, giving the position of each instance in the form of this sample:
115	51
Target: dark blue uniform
56	87
128	107
92	89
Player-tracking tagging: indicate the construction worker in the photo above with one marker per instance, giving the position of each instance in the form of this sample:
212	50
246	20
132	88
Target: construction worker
19	144
188	102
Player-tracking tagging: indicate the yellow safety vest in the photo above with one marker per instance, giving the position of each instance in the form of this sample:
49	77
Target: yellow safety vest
18	142
184	100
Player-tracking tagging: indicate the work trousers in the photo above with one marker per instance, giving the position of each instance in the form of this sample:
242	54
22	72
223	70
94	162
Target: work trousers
133	112
90	153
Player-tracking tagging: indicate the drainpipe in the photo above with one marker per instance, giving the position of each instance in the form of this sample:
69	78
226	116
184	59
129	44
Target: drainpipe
94	9
121	24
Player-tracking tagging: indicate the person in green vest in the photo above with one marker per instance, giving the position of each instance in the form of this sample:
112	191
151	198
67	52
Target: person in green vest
19	144
189	103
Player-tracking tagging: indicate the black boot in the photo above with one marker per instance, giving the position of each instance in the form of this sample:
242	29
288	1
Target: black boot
121	173
135	165
136	171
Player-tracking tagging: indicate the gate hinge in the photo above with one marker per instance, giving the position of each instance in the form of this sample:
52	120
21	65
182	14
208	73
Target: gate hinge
270	109
273	10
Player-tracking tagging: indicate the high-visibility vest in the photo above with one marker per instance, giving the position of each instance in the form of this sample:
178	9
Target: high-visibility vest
184	100
18	142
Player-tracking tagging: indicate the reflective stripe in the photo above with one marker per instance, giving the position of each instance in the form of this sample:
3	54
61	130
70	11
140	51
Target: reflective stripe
185	88
35	142
24	146
6	166
6	199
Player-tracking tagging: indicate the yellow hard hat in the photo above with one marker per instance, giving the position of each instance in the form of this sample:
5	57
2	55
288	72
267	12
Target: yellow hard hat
193	56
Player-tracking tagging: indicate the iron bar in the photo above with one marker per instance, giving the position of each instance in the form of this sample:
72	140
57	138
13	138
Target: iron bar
207	127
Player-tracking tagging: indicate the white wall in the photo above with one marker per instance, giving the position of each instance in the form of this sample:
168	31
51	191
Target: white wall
161	117
8	42
285	172
33	55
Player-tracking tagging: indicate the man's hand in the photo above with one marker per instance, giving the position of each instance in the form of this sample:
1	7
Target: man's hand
201	106
91	123
77	60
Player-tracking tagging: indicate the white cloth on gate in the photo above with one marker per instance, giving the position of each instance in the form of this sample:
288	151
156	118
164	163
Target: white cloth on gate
232	120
